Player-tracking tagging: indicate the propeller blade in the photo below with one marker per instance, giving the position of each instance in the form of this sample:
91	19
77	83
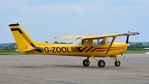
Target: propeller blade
127	39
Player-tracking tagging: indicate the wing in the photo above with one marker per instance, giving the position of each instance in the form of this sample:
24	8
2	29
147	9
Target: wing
99	37
96	36
71	37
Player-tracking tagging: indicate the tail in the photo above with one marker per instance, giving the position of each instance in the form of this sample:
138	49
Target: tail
23	41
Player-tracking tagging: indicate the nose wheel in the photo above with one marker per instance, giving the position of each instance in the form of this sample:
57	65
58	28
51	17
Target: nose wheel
117	62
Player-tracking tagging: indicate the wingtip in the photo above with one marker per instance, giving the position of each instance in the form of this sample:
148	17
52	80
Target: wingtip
133	33
137	33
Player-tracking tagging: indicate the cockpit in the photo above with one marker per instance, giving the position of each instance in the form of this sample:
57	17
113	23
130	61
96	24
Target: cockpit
95	42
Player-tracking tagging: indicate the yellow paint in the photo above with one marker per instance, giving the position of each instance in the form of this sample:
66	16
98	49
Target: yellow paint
88	49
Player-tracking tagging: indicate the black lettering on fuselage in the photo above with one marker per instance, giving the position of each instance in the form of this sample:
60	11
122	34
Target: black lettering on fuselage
46	50
67	49
56	50
64	50
53	50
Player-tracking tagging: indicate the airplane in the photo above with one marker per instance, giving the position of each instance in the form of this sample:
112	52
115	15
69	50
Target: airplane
91	46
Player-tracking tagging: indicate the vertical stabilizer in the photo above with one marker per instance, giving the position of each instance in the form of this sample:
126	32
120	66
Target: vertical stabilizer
23	41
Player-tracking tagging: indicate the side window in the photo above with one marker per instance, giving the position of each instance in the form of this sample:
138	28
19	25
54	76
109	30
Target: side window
86	41
101	41
95	42
83	41
98	42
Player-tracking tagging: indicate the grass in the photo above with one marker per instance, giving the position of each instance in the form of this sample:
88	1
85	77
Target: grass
137	51
9	52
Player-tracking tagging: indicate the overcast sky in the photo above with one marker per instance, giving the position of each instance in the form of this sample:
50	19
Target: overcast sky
45	19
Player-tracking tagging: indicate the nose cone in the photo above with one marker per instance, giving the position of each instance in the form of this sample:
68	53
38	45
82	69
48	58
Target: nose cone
118	48
124	46
121	47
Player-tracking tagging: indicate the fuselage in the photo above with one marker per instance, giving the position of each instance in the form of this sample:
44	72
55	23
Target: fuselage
89	46
80	49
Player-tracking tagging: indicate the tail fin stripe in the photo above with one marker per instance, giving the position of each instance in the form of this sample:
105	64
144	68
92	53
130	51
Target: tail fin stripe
14	24
24	36
24	42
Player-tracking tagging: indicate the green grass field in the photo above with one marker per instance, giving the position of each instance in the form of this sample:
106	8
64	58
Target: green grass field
9	52
137	50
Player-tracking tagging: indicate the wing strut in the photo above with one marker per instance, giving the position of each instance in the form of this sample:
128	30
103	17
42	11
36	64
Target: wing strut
110	45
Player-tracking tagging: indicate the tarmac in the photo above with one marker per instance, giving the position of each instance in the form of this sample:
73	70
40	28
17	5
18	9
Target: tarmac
43	69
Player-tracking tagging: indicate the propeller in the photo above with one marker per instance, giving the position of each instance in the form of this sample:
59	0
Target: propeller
127	39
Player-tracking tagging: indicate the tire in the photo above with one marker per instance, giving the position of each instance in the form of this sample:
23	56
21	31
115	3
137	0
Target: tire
86	62
117	63
101	63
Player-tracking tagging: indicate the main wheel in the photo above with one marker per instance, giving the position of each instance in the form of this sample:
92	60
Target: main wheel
101	63
86	62
117	63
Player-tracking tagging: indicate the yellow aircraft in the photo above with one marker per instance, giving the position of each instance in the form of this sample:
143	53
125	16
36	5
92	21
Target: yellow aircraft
91	46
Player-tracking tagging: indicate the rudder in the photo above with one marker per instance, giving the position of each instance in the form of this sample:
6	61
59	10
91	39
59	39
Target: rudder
23	41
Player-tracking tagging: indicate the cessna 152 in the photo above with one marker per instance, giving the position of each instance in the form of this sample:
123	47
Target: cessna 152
91	46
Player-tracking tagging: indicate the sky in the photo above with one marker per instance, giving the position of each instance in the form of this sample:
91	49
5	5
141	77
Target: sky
45	19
